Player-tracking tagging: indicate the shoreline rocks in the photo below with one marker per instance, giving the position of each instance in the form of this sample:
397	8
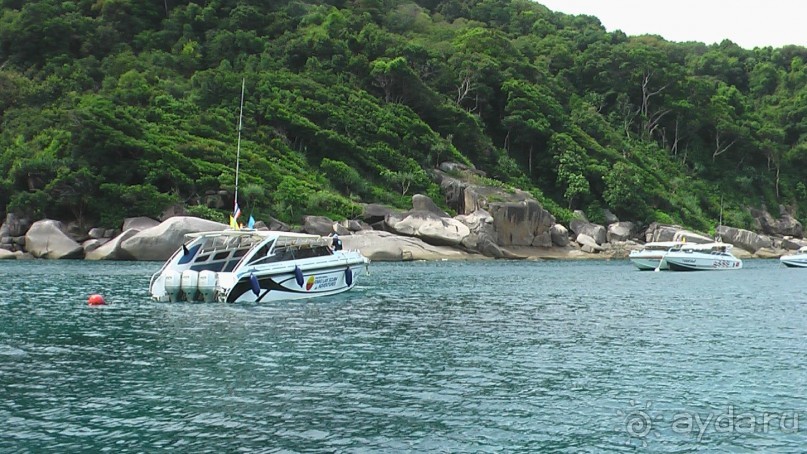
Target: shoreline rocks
491	222
408	236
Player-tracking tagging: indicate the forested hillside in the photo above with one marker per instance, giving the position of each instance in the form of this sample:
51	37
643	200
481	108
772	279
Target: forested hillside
113	108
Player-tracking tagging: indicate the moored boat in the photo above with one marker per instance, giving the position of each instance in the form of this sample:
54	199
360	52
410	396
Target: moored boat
797	260
256	266
648	257
702	257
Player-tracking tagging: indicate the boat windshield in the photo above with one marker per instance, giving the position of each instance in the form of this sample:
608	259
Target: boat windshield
222	253
285	252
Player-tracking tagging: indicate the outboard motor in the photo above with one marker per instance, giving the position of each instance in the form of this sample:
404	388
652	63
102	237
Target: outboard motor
189	284
207	285
172	285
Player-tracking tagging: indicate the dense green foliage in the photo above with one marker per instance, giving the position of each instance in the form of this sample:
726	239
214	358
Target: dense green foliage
115	108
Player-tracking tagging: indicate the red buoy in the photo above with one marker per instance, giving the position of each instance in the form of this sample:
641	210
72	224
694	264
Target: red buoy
96	300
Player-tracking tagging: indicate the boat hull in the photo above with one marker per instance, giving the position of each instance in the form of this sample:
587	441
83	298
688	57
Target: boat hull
651	255
794	261
648	263
704	262
284	286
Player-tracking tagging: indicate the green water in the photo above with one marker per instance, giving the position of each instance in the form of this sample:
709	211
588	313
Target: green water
420	357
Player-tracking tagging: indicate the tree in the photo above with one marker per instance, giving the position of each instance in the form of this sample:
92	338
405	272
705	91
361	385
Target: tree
73	191
570	158
530	112
726	113
625	192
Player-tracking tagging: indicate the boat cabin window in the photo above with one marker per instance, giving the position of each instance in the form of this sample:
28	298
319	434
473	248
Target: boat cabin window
260	255
221	253
285	253
316	251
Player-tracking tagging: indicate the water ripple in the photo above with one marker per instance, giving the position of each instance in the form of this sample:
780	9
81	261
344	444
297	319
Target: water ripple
421	357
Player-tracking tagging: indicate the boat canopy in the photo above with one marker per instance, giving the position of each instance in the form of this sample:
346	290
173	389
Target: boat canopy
705	247
224	250
661	245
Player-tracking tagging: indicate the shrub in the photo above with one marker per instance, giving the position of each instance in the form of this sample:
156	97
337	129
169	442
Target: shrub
661	217
333	206
211	214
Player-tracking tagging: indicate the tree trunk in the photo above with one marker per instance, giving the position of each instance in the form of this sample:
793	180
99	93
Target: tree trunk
651	121
674	147
777	180
720	149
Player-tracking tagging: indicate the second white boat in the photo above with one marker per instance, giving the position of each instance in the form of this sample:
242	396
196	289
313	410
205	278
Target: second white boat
797	260
702	257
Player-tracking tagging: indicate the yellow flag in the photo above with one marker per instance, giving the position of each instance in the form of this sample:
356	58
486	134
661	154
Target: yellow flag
233	224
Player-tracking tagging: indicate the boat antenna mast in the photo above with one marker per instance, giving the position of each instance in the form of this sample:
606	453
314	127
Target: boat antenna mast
238	146
719	222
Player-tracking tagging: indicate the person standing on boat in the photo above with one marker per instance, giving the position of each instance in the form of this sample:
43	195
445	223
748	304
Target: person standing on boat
336	243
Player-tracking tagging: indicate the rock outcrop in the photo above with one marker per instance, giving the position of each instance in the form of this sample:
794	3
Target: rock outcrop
161	241
661	232
139	223
744	239
321	225
786	225
112	250
385	246
522	223
482	238
374	214
594	231
588	244
620	231
792	244
93	244
47	239
422	202
14	226
559	235
429	227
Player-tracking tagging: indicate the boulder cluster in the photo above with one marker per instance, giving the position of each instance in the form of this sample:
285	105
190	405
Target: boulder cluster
490	222
140	239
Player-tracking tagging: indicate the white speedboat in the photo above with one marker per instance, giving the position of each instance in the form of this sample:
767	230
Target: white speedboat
648	257
797	260
256	266
702	257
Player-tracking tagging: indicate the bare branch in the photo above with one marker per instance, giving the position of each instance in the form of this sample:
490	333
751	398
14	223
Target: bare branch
718	149
653	122
674	147
465	88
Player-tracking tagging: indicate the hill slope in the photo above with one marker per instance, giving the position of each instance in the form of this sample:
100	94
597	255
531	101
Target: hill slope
117	108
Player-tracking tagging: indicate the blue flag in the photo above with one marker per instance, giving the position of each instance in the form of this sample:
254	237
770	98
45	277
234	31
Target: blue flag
251	222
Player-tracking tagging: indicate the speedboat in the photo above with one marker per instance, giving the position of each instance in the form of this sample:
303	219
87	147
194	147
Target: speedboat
702	257
797	260
256	266
649	256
